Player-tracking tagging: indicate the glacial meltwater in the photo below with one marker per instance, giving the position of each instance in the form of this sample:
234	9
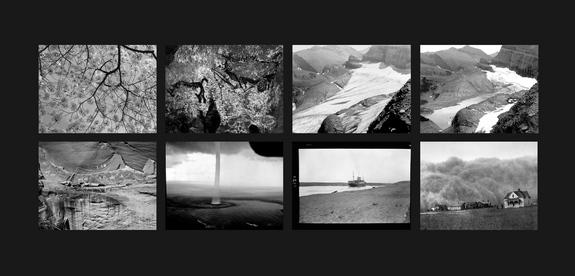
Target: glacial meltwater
505	81
443	117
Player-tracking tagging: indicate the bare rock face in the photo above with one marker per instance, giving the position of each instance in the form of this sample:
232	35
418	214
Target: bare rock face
523	116
331	124
398	56
82	212
428	126
352	63
350	118
466	120
396	116
524	59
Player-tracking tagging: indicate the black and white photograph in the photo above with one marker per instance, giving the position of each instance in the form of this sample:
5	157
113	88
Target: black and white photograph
97	185
347	185
224	89
97	88
351	88
479	89
479	186
224	185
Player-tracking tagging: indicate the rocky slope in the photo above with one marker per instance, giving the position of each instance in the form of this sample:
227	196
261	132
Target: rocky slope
524	59
451	59
318	57
467	119
299	63
348	120
310	89
428	126
477	54
523	116
396	116
331	124
459	87
452	75
396	55
454	88
358	102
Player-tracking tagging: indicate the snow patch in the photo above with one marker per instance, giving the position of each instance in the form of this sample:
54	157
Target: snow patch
370	114
365	82
489	120
510	79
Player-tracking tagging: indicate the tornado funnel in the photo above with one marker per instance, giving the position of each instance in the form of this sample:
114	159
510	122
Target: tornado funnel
216	196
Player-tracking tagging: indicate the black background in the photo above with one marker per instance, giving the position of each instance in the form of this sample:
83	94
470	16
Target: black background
28	250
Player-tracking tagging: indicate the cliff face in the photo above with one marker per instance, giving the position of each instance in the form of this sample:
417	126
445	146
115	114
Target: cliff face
524	59
398	56
396	116
523	116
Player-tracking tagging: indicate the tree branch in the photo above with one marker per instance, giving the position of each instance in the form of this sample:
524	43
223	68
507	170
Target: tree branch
140	51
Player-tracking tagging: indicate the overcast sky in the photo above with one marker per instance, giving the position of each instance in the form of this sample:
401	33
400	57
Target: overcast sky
440	151
296	48
488	49
194	162
337	165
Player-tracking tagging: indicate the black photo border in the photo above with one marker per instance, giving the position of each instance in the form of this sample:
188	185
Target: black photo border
344	226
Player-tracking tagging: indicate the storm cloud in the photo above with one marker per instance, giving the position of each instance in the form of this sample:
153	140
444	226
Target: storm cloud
455	181
177	152
206	147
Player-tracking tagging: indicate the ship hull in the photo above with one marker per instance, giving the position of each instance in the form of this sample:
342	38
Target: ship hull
356	184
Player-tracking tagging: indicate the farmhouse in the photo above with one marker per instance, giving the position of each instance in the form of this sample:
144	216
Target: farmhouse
517	199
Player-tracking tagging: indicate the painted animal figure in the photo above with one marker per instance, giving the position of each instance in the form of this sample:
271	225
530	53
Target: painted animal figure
194	85
200	85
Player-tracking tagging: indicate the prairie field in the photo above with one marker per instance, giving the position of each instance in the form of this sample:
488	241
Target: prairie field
481	219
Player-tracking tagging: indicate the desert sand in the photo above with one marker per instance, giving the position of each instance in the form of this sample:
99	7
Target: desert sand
387	204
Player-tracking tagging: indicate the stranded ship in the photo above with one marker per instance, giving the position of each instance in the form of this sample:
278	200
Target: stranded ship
356	182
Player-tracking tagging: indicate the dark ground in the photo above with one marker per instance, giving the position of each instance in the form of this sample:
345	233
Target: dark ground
482	219
185	212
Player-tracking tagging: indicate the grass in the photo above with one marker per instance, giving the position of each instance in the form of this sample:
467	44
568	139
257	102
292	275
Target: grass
482	219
